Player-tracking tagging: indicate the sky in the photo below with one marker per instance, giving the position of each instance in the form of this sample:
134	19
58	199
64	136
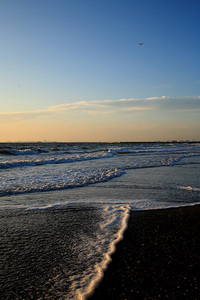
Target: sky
72	70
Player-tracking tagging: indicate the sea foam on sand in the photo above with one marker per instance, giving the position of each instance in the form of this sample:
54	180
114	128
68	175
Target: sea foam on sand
157	259
110	233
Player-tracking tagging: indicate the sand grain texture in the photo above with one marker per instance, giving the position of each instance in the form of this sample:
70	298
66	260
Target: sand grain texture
157	259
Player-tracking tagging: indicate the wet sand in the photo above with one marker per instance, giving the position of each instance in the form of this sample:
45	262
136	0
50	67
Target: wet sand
39	250
159	257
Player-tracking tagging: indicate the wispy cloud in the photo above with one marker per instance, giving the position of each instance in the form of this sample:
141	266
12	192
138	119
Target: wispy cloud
24	115
105	107
131	104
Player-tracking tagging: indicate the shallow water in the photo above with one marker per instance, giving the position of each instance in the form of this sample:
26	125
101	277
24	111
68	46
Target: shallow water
42	167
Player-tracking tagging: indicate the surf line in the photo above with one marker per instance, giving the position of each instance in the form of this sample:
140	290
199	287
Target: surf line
103	265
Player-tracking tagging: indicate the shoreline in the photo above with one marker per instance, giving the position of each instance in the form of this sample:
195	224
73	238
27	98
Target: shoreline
158	257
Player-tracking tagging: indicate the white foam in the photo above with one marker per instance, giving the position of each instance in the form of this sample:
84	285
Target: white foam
54	178
110	233
97	251
45	172
189	188
49	159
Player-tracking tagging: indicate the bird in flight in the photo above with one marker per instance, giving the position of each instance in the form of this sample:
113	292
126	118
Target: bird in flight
140	44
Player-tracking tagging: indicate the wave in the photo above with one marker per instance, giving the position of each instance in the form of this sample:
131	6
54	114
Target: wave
58	159
189	188
110	233
36	148
59	176
94	252
23	159
63	171
22	152
32	183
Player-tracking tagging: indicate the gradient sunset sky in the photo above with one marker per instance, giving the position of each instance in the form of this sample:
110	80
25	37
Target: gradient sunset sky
72	70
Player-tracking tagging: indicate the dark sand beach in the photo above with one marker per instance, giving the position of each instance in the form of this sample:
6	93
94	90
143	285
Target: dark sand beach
159	257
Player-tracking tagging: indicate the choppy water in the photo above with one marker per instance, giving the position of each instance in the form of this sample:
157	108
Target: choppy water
78	197
27	168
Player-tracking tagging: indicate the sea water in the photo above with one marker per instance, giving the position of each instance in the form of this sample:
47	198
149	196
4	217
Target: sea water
106	180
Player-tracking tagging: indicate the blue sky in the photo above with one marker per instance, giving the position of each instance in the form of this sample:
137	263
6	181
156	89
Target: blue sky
58	54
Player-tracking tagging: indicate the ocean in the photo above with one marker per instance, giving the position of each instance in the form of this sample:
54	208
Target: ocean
65	206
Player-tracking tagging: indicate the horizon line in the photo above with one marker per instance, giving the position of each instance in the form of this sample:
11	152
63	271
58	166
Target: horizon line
104	142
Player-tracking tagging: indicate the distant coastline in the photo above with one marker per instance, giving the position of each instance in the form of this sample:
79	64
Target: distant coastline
102	142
